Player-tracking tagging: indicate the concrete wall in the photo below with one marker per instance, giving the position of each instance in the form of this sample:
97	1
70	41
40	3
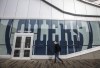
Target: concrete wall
36	9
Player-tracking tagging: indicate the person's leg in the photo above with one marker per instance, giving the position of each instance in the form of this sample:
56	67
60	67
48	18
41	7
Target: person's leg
55	58
59	58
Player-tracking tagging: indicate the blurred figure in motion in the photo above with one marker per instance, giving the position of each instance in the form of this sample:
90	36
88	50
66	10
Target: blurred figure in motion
57	50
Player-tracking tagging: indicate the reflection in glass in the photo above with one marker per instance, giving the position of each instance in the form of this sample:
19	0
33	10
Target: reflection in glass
76	33
27	42
26	53
3	25
15	26
16	53
18	42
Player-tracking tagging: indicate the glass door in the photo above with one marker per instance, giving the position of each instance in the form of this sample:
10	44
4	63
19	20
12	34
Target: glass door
22	46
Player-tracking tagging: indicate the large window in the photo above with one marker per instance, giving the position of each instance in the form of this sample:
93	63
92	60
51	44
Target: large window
3	25
73	36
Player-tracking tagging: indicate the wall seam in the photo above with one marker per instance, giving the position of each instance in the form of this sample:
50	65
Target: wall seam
28	8
40	9
16	8
85	8
63	9
51	12
74	8
5	8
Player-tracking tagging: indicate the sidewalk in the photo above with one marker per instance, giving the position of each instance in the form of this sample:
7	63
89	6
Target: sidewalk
71	63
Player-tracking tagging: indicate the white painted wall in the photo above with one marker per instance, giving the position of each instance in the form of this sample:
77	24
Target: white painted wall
45	11
22	9
36	9
10	8
55	13
2	7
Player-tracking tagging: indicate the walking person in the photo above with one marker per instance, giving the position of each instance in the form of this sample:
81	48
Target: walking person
57	50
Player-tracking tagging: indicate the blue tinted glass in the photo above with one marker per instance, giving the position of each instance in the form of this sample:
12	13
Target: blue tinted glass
23	25
40	43
73	36
40	50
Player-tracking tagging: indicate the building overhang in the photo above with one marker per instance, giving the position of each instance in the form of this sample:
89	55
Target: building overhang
95	3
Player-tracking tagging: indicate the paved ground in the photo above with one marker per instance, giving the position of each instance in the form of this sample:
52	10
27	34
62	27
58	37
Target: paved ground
71	63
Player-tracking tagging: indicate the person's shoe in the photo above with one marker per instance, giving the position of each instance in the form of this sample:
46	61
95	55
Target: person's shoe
62	62
54	62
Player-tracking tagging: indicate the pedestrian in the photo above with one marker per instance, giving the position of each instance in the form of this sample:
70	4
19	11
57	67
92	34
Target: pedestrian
57	50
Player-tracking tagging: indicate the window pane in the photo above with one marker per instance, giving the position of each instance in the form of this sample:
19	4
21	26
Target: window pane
27	42
26	53
18	42
16	53
96	31
3	25
15	25
40	50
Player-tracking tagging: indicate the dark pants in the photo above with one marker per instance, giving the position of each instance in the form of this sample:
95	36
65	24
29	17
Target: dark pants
57	57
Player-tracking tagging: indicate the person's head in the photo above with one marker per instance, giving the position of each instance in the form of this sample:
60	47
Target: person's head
55	42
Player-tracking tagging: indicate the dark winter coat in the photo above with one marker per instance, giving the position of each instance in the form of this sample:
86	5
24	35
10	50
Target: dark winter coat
57	48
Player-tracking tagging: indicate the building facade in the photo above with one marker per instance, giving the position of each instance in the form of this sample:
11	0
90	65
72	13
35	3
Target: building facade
72	23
